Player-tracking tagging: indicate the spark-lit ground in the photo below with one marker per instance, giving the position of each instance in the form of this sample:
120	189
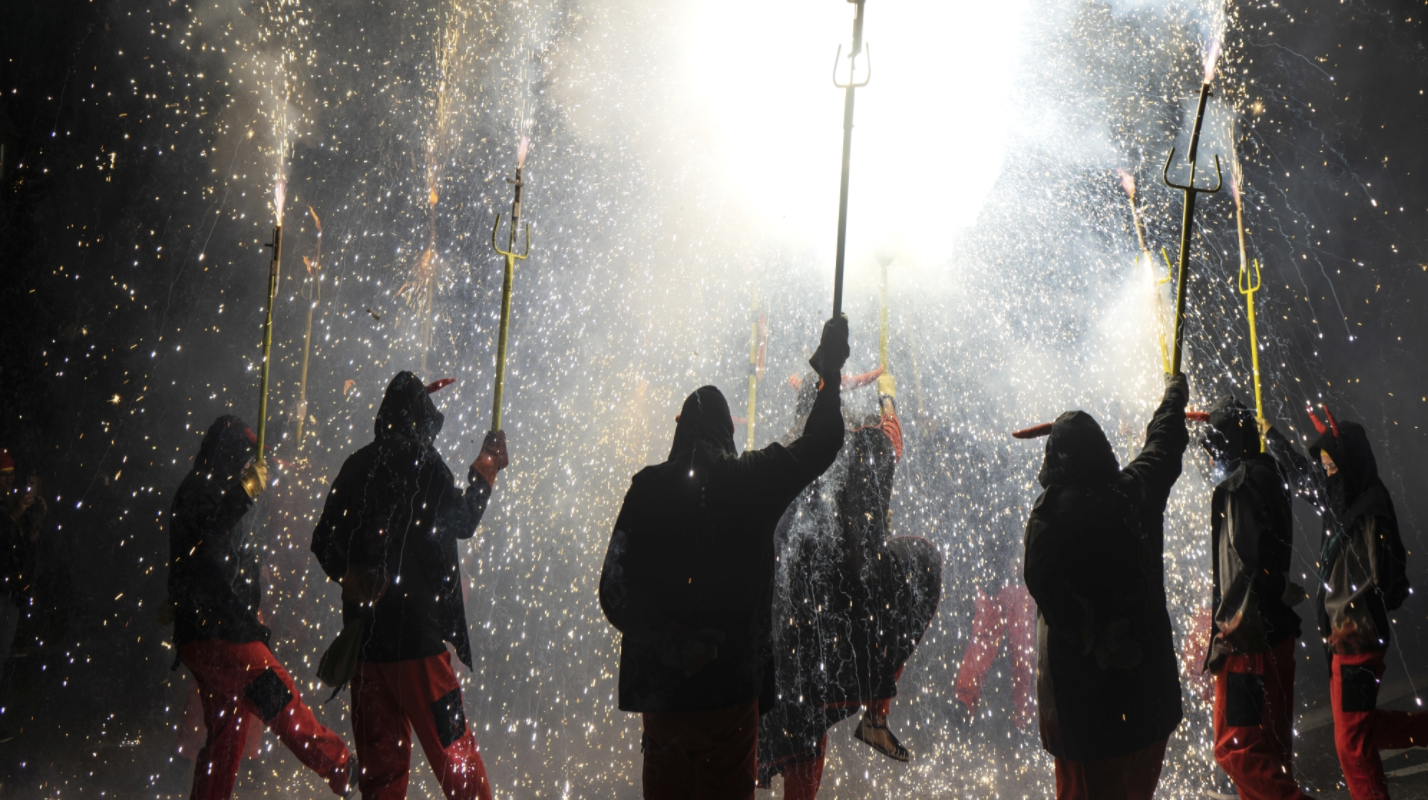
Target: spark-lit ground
682	163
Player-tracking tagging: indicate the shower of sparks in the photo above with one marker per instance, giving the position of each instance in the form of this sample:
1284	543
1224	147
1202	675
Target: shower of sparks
398	125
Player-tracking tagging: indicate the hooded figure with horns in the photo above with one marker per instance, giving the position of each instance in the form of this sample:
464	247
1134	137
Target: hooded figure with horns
1254	626
688	580
1108	687
388	534
215	589
1362	577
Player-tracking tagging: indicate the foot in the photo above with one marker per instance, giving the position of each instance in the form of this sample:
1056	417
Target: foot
874	731
344	783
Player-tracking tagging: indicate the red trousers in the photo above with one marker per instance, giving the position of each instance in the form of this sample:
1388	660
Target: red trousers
389	702
241	682
702	754
1361	730
801	778
1132	776
1011	614
1254	723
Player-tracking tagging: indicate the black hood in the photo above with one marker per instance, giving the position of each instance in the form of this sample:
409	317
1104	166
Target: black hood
1078	452
227	448
1358	471
407	411
1233	435
704	418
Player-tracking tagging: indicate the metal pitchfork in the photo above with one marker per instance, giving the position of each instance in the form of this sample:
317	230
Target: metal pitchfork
847	143
1186	222
511	256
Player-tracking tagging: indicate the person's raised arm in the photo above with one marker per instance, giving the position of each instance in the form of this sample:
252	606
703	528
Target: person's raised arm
1155	469
1301	471
463	509
822	435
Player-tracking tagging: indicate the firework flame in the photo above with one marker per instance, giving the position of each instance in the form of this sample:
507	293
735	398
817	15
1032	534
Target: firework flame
521	151
1213	54
1127	182
280	195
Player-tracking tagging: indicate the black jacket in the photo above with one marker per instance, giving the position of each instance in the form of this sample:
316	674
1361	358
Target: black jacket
1107	679
214	571
1252	541
688	575
17	559
1362	562
395	509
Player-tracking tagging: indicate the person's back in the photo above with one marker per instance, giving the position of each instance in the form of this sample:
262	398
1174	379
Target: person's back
214	592
1108	687
388	535
687	581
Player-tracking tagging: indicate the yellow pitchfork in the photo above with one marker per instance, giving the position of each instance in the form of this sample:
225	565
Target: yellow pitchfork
1248	290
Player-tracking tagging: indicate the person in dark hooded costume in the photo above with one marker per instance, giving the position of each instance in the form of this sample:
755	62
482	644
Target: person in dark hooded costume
1254	626
1108	686
859	605
214	593
1362	578
388	534
688	580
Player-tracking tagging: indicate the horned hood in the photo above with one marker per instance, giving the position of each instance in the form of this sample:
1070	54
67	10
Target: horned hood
407	411
1078	452
227	448
704	418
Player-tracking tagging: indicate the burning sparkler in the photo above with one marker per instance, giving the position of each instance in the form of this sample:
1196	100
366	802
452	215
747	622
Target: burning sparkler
758	345
1128	184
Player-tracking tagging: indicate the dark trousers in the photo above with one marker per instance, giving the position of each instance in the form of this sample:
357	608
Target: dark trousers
390	702
702	754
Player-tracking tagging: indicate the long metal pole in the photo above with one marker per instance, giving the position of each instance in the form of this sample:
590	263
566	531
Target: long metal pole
506	284
277	246
1186	223
847	157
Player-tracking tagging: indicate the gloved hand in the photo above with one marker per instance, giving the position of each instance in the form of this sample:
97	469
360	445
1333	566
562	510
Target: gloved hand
255	478
1264	426
832	350
1177	383
887	385
492	460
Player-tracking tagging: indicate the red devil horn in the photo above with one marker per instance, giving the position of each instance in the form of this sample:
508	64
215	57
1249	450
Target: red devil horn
1333	424
1033	432
794	381
1198	416
437	385
1318	424
252	437
859	381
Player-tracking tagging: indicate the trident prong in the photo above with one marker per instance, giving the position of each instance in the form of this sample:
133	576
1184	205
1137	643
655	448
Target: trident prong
1165	176
1245	287
512	255
852	62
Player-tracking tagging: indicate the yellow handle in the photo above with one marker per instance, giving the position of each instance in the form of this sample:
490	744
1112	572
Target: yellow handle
1248	290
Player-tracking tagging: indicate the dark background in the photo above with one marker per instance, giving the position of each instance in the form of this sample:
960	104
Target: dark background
100	277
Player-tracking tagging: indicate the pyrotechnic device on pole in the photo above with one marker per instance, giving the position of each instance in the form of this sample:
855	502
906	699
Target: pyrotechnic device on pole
511	256
883	316
758	342
848	89
1177	346
1128	184
273	266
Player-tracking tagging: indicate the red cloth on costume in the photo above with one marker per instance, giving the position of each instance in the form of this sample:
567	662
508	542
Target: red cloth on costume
1011	614
802	778
1258	757
193	734
1363	730
1132	776
241	684
702	754
391	701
